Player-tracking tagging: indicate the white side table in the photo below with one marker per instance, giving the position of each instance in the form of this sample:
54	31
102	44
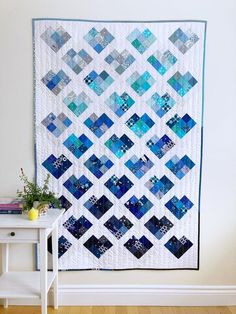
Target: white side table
35	284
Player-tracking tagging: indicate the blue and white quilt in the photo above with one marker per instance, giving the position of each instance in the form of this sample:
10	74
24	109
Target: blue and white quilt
118	121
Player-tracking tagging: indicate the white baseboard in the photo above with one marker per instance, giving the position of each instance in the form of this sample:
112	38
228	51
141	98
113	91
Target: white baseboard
146	295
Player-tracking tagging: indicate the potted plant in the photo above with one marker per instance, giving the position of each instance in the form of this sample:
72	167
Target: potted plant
38	197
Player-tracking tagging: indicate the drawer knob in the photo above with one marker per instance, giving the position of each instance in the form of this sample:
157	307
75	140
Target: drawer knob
12	234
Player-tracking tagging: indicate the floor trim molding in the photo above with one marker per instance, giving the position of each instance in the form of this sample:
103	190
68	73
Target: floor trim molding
150	295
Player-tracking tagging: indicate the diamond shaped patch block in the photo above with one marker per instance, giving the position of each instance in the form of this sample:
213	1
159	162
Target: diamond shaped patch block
55	39
160	146
77	187
181	126
56	82
57	166
119	104
161	104
56	125
140	83
140	125
159	187
178	247
183	41
77	61
77	104
182	83
98	40
179	207
98	166
119	146
138	207
118	227
98	207
78	145
141	40
98	125
138	247
77	227
63	246
180	167
98	82
158	227
120	61
162	61
119	186
98	246
139	166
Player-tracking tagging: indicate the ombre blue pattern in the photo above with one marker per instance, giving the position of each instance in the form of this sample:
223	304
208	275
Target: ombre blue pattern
118	123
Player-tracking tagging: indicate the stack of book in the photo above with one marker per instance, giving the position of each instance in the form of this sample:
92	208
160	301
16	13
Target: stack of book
10	206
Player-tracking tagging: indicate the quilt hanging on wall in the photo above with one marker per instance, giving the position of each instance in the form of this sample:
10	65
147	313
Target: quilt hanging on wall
118	113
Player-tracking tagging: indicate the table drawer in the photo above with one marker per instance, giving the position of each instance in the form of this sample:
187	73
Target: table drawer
18	235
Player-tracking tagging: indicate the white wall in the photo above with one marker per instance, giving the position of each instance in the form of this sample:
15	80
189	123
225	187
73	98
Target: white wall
218	209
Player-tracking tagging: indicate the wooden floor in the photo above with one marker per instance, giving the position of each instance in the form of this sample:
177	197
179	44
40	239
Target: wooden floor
121	310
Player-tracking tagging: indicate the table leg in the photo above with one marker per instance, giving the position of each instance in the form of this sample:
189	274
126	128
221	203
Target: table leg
43	270
5	263
55	265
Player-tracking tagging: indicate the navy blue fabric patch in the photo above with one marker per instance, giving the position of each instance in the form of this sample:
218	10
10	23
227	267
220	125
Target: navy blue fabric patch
98	246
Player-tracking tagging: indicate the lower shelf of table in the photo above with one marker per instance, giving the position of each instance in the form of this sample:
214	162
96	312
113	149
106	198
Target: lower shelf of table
23	284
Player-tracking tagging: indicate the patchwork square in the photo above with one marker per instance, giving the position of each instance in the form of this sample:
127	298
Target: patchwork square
138	247
98	246
162	61
77	61
140	125
178	247
118	227
119	186
179	207
57	166
181	126
139	166
182	84
140	83
119	104
183	40
159	187
77	227
158	227
98	207
98	166
77	103
141	40
55	39
64	202
180	167
98	125
77	187
160	146
56	125
120	61
63	246
98	40
119	146
138	207
98	82
56	82
161	104
78	145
